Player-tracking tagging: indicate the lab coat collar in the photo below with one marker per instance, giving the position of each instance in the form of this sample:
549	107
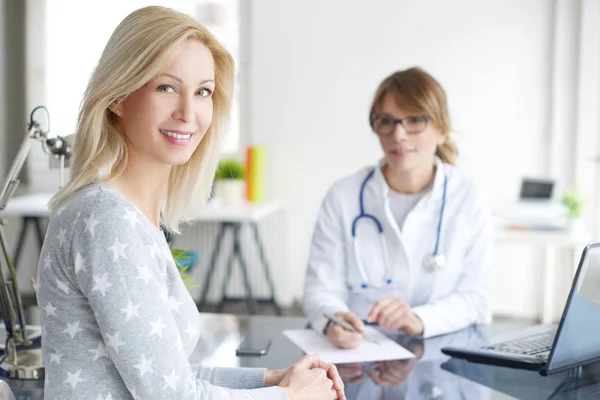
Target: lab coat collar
380	184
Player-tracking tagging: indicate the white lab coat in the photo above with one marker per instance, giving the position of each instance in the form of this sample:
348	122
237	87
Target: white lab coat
446	300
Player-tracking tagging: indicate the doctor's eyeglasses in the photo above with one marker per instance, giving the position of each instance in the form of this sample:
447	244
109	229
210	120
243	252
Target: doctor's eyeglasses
385	125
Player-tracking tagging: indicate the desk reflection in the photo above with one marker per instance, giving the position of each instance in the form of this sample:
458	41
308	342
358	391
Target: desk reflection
418	378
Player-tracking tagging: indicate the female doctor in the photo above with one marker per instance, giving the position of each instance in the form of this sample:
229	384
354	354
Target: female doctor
404	244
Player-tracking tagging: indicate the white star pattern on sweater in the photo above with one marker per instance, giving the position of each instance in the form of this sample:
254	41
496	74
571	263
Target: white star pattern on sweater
99	351
174	304
102	284
79	263
73	378
114	342
55	358
47	262
115	312
191	330
61	236
118	250
143	274
178	343
72	329
145	366
157	327
130	310
171	380
49	309
62	286
90	224
131	216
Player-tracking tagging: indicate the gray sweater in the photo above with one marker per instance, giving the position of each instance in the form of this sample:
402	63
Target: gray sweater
117	320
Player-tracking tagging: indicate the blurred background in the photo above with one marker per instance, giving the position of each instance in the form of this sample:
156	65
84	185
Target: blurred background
522	79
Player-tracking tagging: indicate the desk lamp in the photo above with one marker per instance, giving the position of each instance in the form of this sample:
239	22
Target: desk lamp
20	362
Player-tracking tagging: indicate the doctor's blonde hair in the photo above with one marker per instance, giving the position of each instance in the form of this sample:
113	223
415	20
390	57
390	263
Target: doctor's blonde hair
415	90
139	49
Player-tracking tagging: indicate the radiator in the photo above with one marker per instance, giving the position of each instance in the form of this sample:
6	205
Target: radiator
274	234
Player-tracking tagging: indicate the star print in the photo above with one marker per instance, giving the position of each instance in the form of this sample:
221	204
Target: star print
99	351
118	250
73	378
157	327
174	304
170	380
130	310
60	210
49	308
72	329
191	387
47	261
143	274
79	263
150	250
90	224
55	357
114	342
178	343
62	286
131	216
163	295
191	330
61	236
145	366
102	284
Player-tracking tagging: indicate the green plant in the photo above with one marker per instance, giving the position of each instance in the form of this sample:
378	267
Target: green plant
574	203
182	261
230	168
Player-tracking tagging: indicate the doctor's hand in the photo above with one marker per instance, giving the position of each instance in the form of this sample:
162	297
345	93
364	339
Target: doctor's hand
394	313
343	338
391	373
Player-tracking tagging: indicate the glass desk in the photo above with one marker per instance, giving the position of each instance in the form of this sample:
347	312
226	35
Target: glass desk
432	376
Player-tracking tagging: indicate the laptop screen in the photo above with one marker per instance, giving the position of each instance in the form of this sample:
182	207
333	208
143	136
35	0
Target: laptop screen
578	338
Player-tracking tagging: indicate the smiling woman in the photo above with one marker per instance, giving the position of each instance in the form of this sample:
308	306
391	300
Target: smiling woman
148	141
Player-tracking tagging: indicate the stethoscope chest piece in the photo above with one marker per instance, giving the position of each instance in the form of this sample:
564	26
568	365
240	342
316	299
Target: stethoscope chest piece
434	262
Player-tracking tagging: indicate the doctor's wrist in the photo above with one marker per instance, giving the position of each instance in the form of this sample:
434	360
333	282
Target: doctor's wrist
417	327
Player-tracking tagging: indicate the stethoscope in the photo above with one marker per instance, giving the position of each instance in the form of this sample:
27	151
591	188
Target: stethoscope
432	261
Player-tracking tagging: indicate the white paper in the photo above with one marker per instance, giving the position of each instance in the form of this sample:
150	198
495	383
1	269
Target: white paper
313	343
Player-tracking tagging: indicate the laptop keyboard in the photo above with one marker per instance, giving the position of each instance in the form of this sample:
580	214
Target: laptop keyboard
529	346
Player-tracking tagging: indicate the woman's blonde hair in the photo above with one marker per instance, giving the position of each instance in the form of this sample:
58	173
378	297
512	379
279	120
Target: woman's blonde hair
414	90
139	49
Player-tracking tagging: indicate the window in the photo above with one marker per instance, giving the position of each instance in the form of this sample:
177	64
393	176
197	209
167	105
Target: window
77	31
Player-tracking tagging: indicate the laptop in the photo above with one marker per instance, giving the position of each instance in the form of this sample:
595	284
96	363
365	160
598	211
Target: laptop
547	348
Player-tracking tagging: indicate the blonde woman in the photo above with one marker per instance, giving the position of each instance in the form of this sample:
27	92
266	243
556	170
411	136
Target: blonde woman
404	244
118	321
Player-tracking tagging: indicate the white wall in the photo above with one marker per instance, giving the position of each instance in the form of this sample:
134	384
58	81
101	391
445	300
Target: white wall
314	66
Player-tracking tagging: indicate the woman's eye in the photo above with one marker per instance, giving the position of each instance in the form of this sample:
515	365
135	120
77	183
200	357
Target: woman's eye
166	88
204	92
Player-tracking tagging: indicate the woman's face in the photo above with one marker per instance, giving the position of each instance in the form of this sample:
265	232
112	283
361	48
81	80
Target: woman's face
165	120
409	145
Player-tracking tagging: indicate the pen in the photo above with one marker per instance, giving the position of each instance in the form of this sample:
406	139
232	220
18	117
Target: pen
347	326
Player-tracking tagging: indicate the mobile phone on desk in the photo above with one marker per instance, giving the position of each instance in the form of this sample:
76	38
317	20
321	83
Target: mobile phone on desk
253	346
